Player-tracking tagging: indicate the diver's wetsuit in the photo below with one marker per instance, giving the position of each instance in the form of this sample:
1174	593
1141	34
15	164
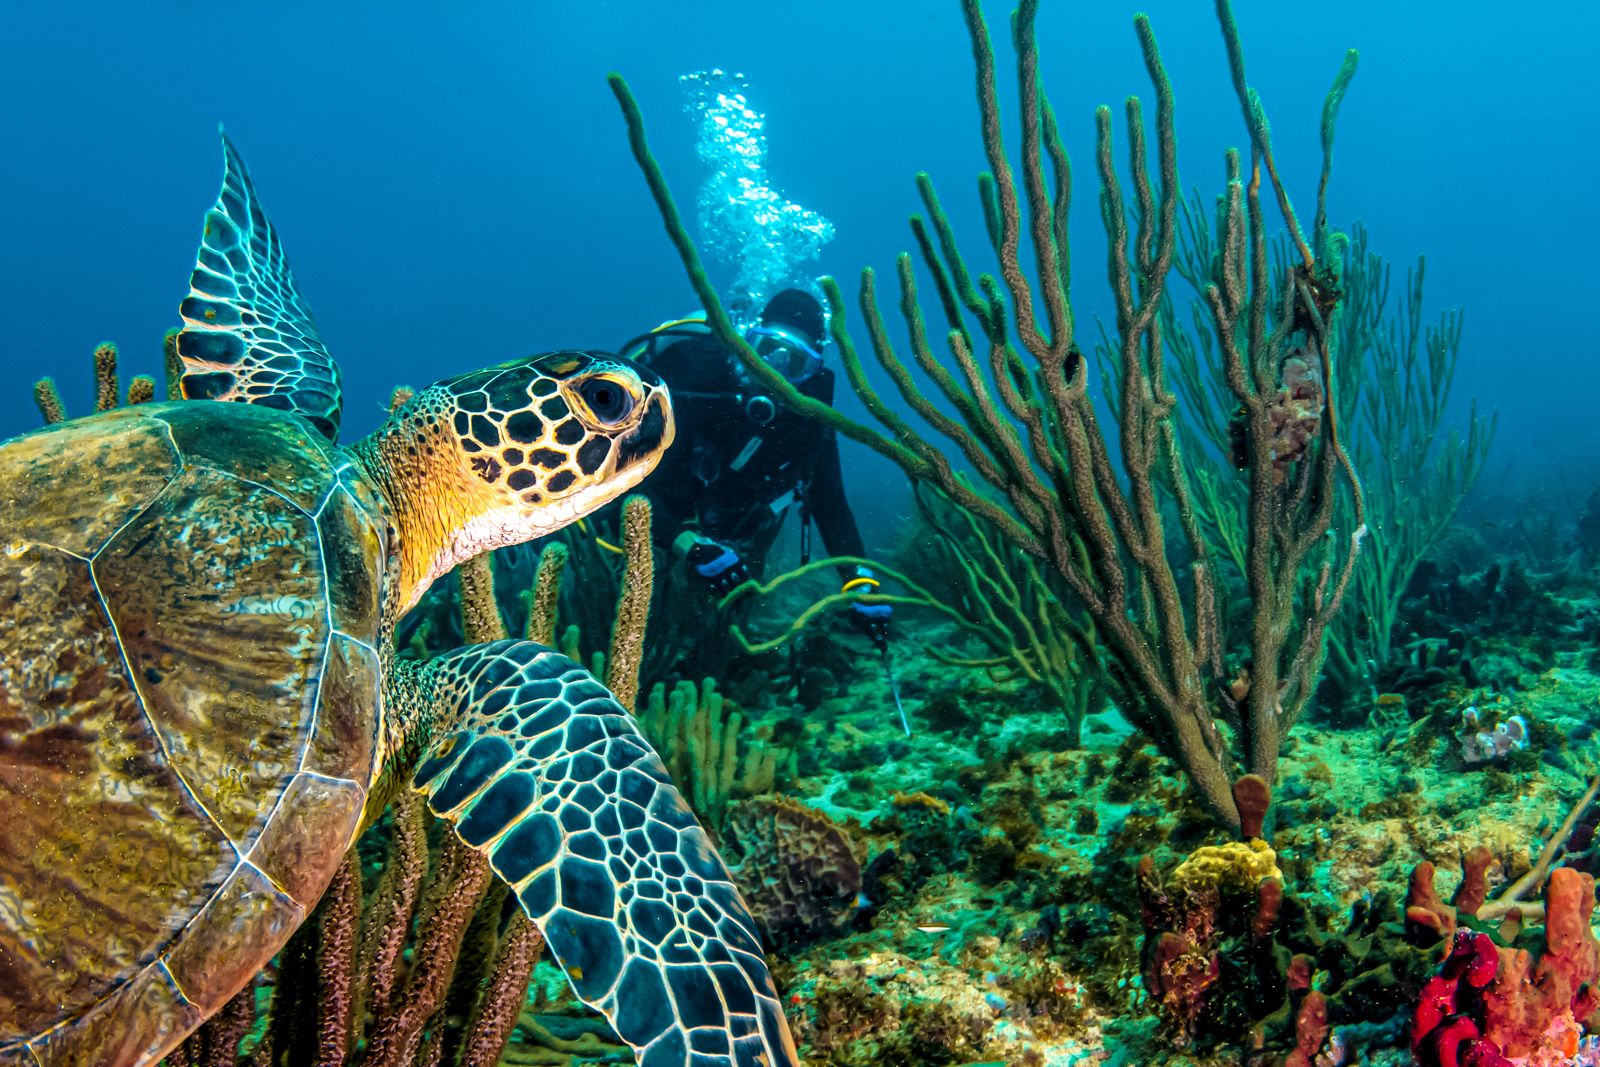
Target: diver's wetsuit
731	477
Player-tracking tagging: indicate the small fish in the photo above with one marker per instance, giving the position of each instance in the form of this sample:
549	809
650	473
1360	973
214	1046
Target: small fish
934	928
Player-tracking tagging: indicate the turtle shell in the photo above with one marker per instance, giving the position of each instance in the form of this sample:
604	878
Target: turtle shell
189	713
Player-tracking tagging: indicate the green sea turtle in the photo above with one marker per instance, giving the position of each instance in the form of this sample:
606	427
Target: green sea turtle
199	705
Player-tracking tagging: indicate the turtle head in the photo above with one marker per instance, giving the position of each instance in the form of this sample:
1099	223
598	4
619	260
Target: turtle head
511	453
553	437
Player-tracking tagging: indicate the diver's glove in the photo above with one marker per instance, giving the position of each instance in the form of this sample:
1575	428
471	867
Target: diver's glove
871	619
715	564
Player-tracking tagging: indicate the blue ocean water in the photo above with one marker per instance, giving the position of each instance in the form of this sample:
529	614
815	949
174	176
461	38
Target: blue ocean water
454	187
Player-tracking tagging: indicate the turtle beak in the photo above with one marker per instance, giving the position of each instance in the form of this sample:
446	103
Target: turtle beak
653	435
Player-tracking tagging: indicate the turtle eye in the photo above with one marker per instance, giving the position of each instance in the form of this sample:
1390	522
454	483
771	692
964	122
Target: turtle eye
607	398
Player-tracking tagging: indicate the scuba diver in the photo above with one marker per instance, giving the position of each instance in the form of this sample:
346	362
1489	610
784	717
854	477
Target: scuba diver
742	461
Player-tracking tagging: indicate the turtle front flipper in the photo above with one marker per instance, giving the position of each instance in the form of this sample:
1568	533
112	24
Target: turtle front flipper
247	334
542	771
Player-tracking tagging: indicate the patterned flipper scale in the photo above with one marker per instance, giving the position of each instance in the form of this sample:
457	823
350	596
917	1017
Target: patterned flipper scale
540	769
247	334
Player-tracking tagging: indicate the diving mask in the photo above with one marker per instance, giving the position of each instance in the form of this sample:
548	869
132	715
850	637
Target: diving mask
788	353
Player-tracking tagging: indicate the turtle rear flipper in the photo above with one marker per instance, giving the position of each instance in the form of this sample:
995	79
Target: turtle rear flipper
248	335
542	771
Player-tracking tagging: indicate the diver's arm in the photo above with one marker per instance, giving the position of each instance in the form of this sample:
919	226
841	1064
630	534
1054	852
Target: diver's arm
829	506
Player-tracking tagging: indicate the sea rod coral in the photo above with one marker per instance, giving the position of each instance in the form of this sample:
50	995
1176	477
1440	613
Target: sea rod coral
1109	509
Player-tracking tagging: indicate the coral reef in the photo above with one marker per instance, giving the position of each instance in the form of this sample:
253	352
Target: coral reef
1000	916
1195	566
800	870
699	736
1101	530
1112	622
1211	960
1490	1005
1486	746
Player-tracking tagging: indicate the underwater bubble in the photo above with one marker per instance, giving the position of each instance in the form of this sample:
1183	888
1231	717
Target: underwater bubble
744	220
